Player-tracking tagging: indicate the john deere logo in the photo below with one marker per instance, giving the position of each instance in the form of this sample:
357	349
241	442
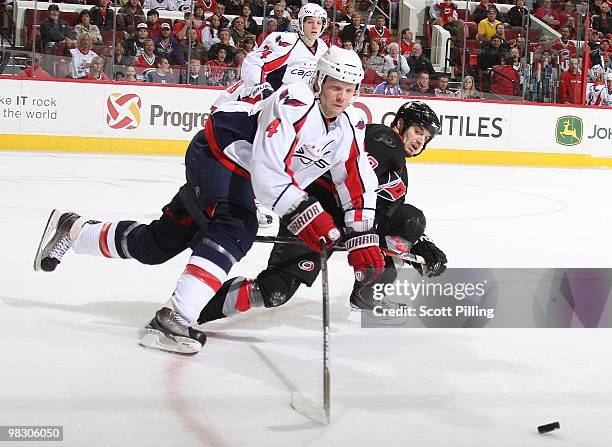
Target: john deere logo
569	130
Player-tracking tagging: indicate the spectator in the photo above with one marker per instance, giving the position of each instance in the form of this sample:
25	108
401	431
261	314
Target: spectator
603	63
33	70
518	14
370	77
229	77
518	64
602	95
491	55
147	59
216	67
191	47
417	62
84	26
234	7
564	46
500	30
251	25
390	86
209	5
282	22
81	57
548	15
102	16
595	7
96	70
395	60
519	43
54	30
442	89
421	87
239	56
162	73
197	20
167	5
570	84
377	58
568	11
487	27
225	44
193	76
352	30
153	24
248	45
130	15
468	89
134	46
210	34
332	31
239	34
168	47
407	42
347	45
220	12
603	22
120	56
482	11
504	78
271	28
130	75
448	18
380	31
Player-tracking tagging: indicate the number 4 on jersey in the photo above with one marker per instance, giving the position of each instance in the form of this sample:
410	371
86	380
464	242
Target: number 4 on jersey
271	129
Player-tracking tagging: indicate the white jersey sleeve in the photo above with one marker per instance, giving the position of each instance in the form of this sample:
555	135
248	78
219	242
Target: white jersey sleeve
275	141
269	56
354	177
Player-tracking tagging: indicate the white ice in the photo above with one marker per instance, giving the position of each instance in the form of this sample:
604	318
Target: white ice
69	340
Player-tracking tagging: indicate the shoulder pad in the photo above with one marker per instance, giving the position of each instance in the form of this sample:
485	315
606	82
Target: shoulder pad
356	117
297	96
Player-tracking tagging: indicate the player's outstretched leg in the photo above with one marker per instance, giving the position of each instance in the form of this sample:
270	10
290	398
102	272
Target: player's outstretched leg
62	229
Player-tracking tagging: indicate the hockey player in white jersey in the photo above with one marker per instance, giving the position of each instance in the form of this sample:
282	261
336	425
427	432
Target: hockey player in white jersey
274	150
283	58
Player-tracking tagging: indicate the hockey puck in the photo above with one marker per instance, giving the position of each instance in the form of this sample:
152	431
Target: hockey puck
547	428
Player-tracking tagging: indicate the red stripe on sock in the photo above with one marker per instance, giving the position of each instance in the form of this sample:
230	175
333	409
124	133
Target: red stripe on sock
207	278
242	302
103	241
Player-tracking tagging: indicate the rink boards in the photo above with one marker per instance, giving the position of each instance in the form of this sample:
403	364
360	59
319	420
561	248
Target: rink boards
146	119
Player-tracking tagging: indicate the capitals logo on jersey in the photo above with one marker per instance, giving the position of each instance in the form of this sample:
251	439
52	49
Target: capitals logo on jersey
309	154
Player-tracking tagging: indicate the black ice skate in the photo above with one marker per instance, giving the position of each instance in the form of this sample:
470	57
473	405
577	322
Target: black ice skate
167	331
59	235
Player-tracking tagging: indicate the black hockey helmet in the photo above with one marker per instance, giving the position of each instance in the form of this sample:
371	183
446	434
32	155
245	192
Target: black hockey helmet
417	112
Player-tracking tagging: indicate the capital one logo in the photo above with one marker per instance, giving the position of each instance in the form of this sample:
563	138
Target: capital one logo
569	130
123	111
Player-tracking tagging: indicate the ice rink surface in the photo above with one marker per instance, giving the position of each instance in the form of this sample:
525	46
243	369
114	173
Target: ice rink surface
69	340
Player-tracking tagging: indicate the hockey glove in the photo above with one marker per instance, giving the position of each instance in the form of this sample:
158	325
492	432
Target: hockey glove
365	256
258	92
311	223
435	259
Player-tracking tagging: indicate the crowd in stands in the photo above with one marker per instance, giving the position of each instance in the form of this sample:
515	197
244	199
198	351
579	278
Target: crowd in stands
207	48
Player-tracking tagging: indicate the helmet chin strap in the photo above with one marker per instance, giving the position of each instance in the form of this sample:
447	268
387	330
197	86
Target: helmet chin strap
306	40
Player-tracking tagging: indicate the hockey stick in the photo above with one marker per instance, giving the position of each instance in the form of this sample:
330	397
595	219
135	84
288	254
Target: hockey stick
300	403
359	43
340	247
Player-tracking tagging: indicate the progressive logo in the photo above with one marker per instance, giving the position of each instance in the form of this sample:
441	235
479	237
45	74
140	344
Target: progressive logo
123	111
569	130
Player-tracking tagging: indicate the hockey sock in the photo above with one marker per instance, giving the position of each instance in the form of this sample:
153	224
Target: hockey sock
103	239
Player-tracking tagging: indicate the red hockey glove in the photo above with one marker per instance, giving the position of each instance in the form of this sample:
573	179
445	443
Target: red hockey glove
311	223
365	256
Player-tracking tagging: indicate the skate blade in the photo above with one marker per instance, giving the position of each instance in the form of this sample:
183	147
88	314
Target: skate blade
49	230
155	339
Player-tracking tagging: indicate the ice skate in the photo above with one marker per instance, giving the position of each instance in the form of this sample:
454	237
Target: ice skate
61	231
167	331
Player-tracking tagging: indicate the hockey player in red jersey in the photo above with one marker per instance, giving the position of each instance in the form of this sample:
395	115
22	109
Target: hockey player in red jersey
289	266
282	58
274	150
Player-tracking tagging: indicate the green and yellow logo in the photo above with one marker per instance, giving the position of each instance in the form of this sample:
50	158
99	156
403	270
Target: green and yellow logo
569	130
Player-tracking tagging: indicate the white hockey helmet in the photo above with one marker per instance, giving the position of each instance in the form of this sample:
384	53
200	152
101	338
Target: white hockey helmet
341	64
311	10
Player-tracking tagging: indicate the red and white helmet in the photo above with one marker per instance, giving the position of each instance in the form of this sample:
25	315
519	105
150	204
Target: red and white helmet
311	10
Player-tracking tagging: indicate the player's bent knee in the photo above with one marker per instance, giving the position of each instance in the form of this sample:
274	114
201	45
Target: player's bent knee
409	223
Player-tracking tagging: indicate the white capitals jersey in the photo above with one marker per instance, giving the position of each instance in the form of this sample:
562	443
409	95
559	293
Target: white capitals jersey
284	143
283	58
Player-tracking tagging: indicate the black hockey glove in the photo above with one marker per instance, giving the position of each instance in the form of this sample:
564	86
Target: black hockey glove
435	259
